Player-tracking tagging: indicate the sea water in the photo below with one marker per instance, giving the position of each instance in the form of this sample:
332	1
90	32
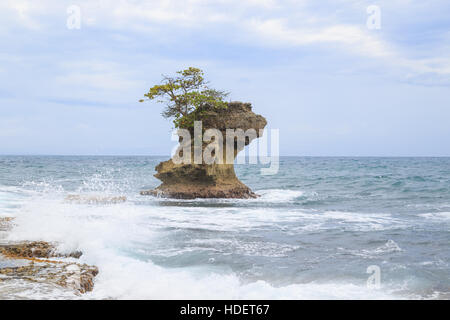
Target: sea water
317	229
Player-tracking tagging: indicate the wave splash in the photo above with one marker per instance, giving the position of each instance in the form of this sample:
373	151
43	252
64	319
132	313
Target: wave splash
106	234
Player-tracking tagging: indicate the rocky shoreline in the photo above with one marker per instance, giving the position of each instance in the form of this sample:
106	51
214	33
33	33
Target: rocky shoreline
31	261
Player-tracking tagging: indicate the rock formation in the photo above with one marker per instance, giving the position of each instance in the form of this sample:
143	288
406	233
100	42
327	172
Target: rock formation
216	180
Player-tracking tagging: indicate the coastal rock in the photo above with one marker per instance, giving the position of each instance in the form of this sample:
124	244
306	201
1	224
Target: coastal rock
33	249
79	277
217	180
28	261
87	199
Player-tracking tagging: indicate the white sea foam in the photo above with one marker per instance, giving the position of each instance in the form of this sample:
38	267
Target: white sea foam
265	196
388	248
23	290
108	233
131	279
364	221
10	199
248	248
278	195
436	216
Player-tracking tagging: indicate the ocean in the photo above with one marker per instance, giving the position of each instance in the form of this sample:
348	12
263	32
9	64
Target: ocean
318	230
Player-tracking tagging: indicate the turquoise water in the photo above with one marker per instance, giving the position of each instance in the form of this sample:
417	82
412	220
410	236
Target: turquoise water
317	227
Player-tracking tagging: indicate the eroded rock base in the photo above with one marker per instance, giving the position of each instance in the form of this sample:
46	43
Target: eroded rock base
186	192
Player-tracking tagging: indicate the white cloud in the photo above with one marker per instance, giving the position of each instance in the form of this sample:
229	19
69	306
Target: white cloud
259	22
96	75
350	38
21	12
275	31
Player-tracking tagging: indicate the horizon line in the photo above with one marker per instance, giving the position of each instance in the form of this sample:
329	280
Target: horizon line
281	156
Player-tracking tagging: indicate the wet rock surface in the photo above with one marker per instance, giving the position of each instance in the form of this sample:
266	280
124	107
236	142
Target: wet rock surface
33	249
79	277
29	261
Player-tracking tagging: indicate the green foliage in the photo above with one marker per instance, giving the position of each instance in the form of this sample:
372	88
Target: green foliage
184	94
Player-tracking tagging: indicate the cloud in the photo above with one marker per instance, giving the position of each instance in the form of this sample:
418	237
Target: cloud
96	75
275	31
263	23
350	38
21	12
314	61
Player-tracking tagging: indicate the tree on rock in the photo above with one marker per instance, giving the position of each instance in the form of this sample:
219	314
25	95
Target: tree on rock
183	96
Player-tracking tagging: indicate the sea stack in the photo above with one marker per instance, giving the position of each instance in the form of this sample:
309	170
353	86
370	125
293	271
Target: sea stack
215	180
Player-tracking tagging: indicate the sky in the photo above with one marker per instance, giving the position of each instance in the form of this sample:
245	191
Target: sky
332	84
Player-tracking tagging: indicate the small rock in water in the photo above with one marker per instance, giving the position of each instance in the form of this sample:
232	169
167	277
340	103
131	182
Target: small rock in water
33	249
82	199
